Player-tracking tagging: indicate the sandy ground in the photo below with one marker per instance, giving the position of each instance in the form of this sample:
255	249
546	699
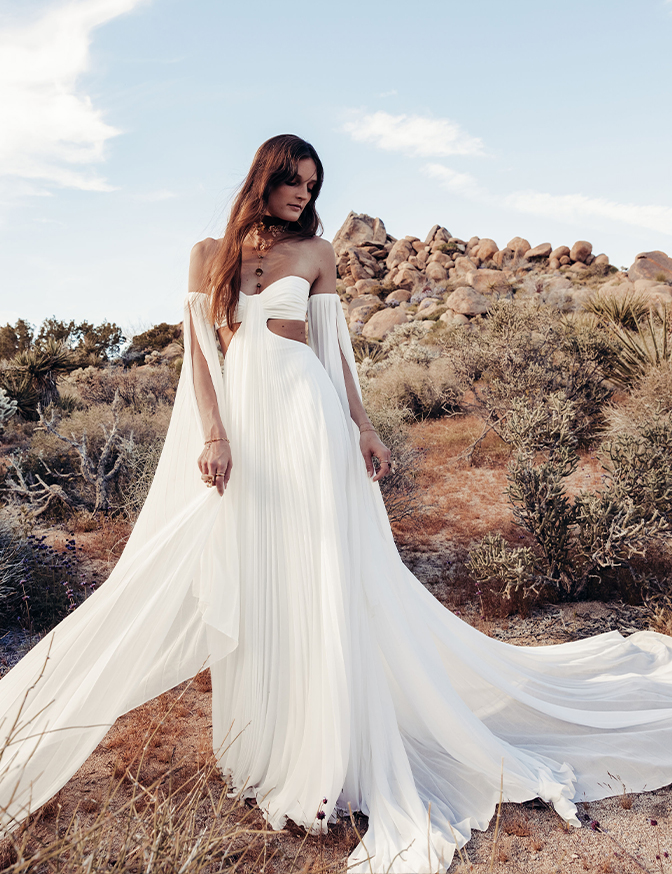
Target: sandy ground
624	833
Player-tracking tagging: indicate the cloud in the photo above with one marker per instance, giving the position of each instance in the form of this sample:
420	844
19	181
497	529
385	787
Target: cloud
414	135
460	183
50	130
570	208
156	196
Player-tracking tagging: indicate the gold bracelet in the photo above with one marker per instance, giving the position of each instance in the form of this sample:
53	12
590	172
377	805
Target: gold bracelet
365	428
217	439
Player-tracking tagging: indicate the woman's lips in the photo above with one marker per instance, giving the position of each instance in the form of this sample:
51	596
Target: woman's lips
295	206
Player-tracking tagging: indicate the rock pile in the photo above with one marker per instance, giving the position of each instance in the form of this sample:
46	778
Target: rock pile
386	282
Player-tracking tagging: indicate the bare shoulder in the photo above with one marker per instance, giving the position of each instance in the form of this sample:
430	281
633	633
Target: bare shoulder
324	260
204	250
200	260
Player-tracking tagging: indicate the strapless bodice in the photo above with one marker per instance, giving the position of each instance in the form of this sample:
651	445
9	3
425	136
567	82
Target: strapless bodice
286	298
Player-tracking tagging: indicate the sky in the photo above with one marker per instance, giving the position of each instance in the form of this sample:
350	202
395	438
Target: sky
126	126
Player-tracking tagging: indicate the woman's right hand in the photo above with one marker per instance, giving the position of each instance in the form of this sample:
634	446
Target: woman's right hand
215	461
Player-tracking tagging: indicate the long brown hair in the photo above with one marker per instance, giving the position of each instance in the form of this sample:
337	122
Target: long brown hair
275	162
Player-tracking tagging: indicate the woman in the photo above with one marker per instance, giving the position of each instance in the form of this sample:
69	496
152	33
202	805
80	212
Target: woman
335	674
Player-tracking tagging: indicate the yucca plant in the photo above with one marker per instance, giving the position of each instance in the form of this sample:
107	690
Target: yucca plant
647	346
31	376
626	310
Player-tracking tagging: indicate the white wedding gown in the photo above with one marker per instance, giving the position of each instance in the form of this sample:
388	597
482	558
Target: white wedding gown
335	674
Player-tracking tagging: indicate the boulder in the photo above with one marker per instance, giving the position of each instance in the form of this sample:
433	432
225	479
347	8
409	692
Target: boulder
407	276
601	259
439	258
559	252
428	308
423	256
443	235
398	296
504	256
436	272
553	264
580	250
485	249
430	235
578	267
519	245
357	229
382	322
364	301
418	245
452	319
467	301
642	285
361	264
366	286
565	259
464	265
651	265
473	242
543	250
400	252
487	281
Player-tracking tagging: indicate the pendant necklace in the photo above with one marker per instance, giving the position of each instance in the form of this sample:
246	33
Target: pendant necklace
261	245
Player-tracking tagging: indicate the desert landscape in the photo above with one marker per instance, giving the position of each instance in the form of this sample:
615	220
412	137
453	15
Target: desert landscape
526	394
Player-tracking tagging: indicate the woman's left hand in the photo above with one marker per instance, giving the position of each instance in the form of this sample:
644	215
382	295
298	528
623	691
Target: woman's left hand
371	445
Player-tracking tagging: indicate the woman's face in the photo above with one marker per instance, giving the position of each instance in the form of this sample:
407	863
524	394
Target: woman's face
287	200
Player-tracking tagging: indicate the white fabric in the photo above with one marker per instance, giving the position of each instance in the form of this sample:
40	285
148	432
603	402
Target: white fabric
335	673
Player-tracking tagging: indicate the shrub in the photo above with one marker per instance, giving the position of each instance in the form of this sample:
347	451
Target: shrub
589	543
139	465
651	394
399	489
154	339
420	391
528	352
15	339
39	584
138	389
101	342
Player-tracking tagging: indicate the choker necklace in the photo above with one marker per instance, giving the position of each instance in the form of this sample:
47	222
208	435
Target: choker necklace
276	230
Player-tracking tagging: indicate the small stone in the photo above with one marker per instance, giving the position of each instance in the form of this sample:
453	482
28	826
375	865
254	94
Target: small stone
565	259
559	252
554	264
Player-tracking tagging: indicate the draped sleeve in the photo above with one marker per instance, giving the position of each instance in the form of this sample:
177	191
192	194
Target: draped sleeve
328	336
169	608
